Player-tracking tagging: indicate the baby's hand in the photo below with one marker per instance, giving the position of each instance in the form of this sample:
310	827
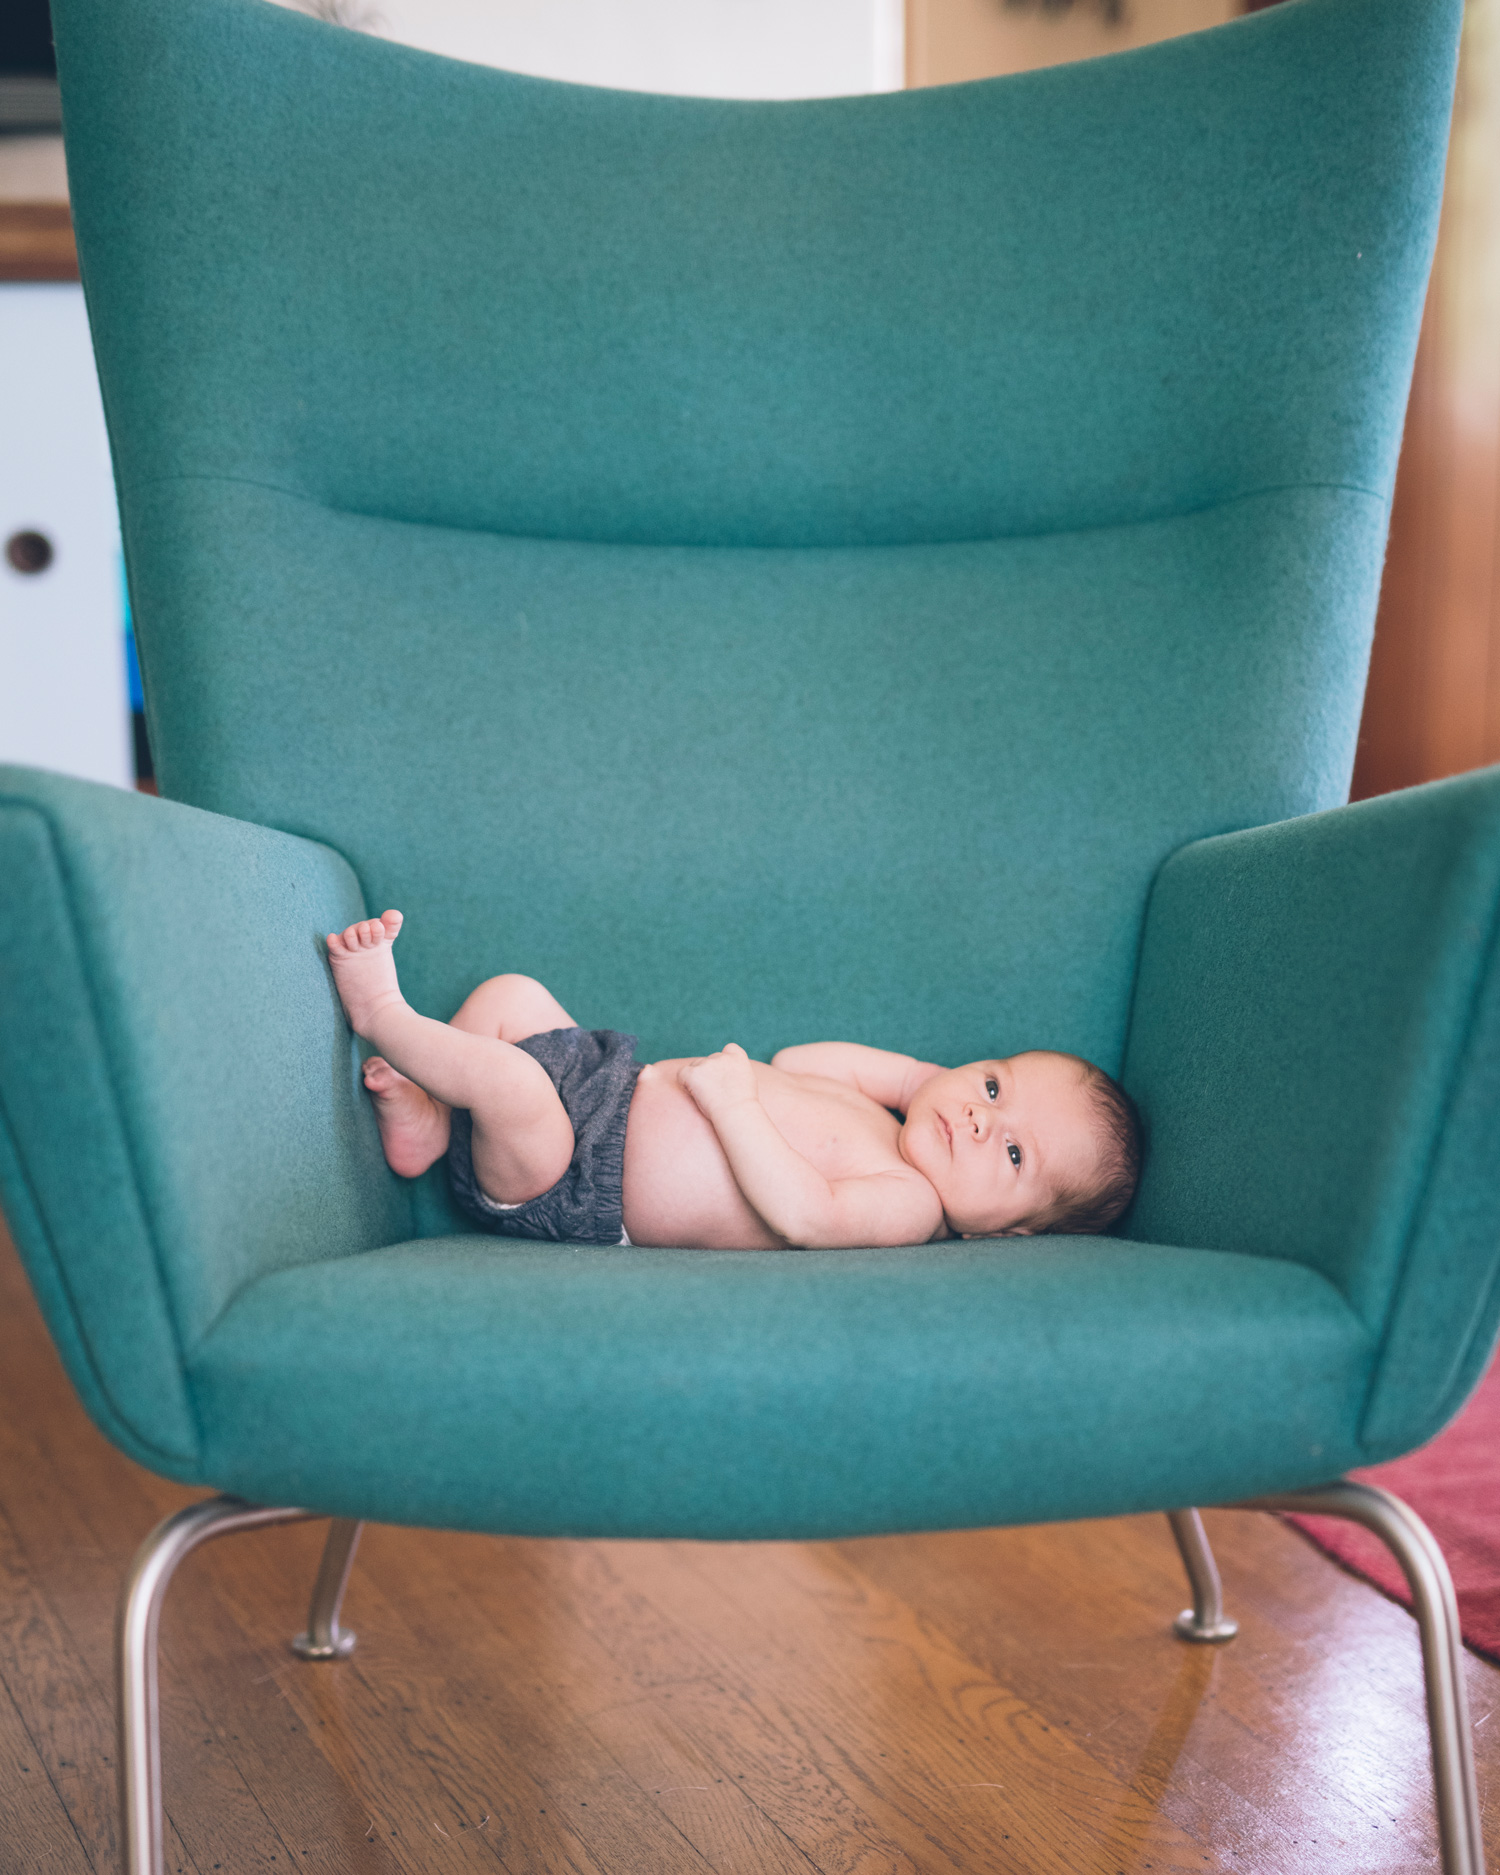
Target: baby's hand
719	1081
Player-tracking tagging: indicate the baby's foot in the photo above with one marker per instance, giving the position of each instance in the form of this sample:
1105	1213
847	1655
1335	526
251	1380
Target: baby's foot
413	1126
364	971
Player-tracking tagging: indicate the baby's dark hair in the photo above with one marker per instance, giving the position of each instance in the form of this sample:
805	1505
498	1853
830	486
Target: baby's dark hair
1089	1212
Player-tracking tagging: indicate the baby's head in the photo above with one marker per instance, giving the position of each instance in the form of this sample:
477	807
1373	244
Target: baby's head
1040	1142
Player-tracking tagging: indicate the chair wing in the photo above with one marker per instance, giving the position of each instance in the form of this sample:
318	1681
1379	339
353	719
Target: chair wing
181	1107
1316	1047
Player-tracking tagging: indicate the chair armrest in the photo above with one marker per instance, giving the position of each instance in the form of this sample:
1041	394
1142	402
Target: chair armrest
180	1108
1315	1044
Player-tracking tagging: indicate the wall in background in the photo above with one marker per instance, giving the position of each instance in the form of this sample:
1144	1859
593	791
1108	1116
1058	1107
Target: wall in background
1433	705
711	48
948	41
32	169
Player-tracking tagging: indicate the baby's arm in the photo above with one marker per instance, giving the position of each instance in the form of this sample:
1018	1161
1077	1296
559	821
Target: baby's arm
791	1195
876	1072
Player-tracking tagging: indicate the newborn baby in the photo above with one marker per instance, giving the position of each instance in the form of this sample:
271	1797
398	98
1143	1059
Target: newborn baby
553	1131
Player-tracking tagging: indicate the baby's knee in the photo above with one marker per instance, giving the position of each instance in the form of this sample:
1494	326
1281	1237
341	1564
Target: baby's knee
512	986
512	1007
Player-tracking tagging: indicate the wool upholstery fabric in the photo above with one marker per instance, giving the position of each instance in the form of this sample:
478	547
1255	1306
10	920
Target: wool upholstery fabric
181	1096
768	571
1316	1050
806	565
482	1384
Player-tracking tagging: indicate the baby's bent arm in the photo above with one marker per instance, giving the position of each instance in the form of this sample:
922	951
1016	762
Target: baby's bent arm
889	1078
789	1193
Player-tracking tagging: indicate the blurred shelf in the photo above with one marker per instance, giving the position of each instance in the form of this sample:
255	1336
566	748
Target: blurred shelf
36	241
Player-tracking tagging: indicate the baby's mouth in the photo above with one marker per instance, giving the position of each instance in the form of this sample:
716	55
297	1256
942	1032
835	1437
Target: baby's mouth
947	1131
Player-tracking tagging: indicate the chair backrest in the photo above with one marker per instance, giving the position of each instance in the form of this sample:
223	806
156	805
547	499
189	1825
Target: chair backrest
772	571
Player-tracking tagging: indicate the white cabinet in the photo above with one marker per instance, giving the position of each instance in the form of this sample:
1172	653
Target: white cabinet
64	703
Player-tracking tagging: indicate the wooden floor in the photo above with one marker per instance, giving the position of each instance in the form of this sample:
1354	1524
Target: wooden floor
990	1701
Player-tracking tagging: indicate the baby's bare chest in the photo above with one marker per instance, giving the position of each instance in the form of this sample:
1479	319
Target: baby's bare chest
836	1128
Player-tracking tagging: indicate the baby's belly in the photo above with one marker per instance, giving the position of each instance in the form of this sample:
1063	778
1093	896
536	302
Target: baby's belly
678	1185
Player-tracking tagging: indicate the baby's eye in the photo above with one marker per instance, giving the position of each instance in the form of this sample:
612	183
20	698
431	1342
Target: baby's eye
992	1087
1015	1153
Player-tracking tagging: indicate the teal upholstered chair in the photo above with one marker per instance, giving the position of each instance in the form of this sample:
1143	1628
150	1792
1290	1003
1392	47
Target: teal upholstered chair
896	568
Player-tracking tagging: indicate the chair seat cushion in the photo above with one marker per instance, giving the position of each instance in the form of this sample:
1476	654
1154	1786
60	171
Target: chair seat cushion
542	1389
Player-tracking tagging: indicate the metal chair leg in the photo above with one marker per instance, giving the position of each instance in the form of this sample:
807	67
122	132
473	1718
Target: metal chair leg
324	1639
1206	1619
136	1663
1415	1548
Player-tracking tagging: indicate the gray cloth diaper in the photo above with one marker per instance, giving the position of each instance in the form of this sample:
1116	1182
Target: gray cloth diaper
594	1072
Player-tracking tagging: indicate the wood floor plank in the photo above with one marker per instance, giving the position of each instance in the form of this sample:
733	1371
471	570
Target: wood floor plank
1299	1720
507	1712
661	1750
479	1751
99	1506
37	1836
935	1748
602	1668
964	1743
64	1708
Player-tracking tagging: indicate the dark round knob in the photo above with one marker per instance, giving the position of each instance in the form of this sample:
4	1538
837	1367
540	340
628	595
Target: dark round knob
29	551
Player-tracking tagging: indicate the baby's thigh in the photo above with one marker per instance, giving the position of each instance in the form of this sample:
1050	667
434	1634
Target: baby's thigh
522	1139
511	1008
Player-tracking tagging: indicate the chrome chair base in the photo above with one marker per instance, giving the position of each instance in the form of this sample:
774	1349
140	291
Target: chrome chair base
1422	1563
136	1661
136	1647
1436	1607
1206	1619
324	1639
1399	1528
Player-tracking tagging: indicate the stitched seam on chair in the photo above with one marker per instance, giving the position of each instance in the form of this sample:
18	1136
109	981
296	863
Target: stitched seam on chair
579	540
317	839
60	1273
125	1133
312	839
130	1159
1487	960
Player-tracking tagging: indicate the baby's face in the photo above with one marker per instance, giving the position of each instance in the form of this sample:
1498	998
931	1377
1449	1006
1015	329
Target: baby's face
1000	1140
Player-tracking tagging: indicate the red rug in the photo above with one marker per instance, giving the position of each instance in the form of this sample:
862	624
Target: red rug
1454	1487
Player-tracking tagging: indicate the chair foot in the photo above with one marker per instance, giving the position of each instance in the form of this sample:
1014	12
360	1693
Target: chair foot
1415	1548
1206	1619
324	1639
136	1660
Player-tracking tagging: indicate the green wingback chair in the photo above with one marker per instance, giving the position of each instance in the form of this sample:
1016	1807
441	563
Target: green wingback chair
899	568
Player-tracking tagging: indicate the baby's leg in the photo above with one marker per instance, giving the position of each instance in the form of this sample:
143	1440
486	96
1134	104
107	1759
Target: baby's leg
511	1008
414	1127
523	1138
